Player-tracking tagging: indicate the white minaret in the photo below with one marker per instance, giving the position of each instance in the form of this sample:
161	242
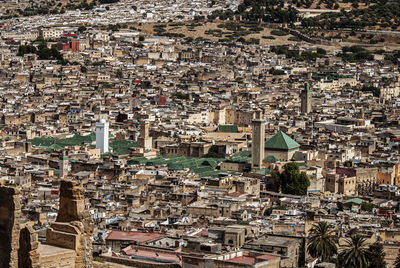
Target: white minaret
102	136
63	165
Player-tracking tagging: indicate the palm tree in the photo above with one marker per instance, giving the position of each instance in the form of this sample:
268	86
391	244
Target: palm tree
397	261
322	241
376	256
354	253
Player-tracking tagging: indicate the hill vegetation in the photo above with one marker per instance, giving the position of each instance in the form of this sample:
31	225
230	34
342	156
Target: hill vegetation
382	14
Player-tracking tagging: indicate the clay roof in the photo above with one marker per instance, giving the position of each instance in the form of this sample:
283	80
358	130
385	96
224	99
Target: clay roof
133	236
153	255
243	259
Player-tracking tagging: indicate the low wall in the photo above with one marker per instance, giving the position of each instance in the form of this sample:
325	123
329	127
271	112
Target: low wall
139	264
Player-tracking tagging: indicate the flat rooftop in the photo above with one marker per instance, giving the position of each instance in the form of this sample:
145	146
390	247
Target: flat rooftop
48	250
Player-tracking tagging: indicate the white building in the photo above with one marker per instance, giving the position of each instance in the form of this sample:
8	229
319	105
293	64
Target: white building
51	33
102	136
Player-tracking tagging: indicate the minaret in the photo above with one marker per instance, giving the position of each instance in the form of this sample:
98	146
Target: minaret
144	140
102	136
258	140
306	99
63	165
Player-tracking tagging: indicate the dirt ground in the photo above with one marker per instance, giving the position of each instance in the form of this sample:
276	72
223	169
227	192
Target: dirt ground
392	41
200	31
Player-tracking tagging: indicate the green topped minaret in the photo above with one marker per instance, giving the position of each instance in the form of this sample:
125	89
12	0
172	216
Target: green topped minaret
306	99
258	139
63	165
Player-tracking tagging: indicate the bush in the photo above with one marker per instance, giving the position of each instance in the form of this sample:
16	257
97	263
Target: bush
294	39
268	37
274	71
81	28
279	33
181	95
366	206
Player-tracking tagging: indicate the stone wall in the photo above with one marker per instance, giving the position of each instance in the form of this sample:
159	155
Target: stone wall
28	254
139	264
10	213
74	226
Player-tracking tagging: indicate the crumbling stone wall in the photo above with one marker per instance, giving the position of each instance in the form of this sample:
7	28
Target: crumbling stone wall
10	213
28	254
74	226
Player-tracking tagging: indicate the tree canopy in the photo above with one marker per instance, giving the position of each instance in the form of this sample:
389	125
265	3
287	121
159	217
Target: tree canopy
322	241
383	14
291	180
376	256
355	253
397	261
40	48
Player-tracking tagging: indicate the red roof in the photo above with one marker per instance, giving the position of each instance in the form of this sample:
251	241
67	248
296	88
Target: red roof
243	259
202	233
267	257
152	254
133	236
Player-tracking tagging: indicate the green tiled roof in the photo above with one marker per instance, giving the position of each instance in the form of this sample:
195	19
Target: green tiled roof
357	201
244	153
121	147
75	140
263	171
137	161
195	164
228	128
281	141
271	159
210	162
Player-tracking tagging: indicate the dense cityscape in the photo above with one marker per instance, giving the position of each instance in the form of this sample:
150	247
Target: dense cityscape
199	134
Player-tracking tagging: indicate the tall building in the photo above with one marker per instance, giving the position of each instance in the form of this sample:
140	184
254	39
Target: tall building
144	140
257	147
306	99
63	165
102	136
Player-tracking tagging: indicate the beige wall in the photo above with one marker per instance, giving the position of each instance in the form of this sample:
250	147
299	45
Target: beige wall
52	257
281	155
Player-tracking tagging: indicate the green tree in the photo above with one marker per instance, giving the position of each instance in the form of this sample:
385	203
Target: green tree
367	206
321	51
181	95
213	152
81	28
291	180
397	261
119	73
376	256
355	253
322	241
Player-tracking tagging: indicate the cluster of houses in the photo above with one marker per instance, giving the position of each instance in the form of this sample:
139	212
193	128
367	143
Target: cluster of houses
176	142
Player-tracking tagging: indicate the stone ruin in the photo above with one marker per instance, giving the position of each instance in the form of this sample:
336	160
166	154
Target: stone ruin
74	226
68	239
28	253
10	213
